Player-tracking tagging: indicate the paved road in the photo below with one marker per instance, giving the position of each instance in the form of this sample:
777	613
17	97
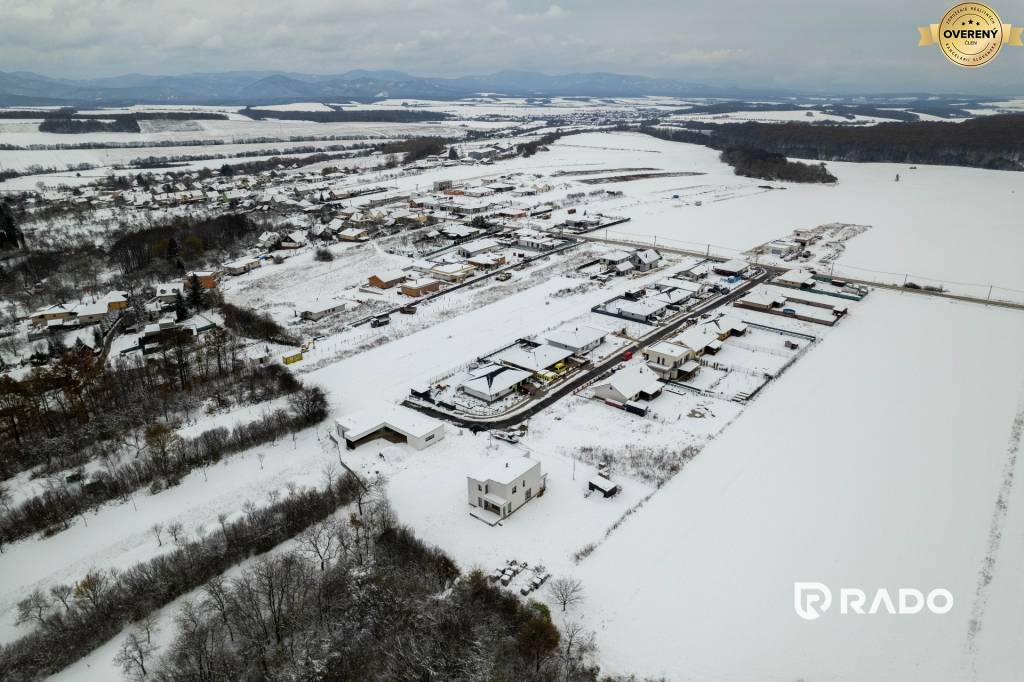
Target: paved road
532	408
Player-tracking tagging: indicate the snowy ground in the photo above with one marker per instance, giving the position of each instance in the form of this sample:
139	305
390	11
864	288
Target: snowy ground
874	462
916	226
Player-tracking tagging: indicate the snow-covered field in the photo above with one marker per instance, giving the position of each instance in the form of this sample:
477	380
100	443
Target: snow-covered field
876	462
918	225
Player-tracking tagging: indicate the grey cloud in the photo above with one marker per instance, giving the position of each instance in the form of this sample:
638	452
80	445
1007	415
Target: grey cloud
867	45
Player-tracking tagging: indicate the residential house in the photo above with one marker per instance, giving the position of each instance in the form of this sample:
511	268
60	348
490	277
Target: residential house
646	259
420	287
477	247
354	234
503	486
58	311
391	422
579	339
207	279
387	279
452	272
492	382
732	267
671	361
241	266
635	382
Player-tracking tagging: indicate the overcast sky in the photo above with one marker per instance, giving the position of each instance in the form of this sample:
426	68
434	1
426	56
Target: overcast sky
838	45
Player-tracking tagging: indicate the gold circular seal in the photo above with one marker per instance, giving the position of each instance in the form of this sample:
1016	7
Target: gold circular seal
970	34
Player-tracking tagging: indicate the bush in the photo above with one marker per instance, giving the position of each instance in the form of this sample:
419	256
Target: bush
324	255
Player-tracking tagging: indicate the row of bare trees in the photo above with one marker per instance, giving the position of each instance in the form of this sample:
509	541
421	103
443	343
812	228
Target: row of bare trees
72	620
163	460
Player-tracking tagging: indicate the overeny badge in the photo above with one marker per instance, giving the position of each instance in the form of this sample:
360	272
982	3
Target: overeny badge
970	34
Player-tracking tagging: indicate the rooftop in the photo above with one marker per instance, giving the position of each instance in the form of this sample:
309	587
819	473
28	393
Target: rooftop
504	471
398	418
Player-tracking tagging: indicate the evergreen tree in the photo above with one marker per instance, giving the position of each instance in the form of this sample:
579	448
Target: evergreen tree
180	311
196	293
10	236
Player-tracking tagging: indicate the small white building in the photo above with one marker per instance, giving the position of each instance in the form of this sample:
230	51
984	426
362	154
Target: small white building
503	486
394	423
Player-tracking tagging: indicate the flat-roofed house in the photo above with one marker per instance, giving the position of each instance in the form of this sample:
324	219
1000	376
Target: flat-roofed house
391	422
502	486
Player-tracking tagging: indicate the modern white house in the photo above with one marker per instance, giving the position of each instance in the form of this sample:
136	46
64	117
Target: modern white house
393	423
671	361
501	487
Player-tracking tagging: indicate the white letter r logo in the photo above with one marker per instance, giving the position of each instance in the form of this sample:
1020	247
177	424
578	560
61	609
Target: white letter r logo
810	600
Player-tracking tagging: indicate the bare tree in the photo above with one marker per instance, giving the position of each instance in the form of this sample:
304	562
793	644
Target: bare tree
63	594
321	542
34	607
133	656
566	591
576	647
175	530
157	530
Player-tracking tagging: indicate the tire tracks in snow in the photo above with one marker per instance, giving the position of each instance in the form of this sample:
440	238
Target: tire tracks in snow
995	534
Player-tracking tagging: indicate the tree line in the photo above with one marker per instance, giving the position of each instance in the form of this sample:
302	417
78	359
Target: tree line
345	116
995	142
76	409
72	620
758	163
164	461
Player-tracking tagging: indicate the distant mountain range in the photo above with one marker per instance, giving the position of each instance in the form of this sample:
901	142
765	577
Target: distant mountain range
23	88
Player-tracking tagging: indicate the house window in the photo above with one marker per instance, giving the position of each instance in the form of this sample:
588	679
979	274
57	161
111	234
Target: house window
479	487
513	490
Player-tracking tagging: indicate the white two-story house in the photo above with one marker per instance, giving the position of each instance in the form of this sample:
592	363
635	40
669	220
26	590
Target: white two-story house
504	486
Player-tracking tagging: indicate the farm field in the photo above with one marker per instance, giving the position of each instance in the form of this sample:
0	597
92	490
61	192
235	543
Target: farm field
842	472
